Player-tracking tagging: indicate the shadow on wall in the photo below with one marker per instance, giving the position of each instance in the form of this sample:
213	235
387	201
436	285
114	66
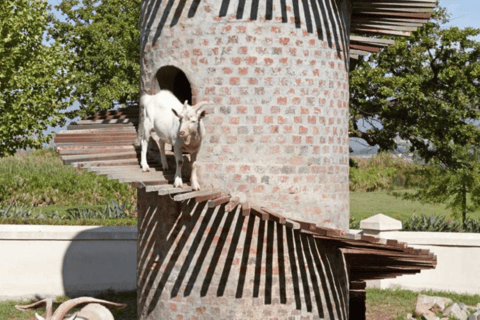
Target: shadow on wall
189	250
320	17
97	261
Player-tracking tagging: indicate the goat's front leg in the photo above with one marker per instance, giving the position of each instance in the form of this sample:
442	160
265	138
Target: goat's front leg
193	178
178	183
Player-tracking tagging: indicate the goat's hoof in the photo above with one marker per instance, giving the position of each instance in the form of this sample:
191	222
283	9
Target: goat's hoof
195	186
147	169
178	183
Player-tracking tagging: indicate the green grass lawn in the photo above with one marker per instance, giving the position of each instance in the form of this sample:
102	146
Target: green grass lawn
394	304
367	204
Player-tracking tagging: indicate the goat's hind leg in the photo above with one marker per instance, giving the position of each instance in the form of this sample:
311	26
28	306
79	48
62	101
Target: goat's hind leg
163	157
145	137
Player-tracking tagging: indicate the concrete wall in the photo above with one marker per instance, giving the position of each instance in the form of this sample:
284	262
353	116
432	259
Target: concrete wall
458	260
66	260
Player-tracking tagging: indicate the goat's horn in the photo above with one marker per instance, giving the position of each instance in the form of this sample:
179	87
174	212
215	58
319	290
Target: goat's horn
199	105
63	309
48	302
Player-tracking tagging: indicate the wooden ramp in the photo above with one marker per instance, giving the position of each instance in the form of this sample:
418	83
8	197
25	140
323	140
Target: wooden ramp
105	144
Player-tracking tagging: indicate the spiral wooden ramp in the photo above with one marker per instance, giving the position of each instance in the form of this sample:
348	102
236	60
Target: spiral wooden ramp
105	144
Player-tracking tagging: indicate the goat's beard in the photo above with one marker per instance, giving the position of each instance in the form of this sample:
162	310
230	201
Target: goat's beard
186	140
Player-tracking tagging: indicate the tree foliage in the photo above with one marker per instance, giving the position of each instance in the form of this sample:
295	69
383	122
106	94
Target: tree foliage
424	88
34	85
457	186
103	39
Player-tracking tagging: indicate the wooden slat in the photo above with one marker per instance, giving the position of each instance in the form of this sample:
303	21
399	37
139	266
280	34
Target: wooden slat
372	41
173	190
218	201
292	224
382	26
260	213
408	15
379	31
194	194
209	197
232	204
93	122
365	48
245	209
275	216
359	52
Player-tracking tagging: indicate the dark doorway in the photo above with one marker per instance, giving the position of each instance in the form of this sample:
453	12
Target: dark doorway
173	79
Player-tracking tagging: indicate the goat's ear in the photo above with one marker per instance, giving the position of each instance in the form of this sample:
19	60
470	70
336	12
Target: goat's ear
185	104
202	114
176	113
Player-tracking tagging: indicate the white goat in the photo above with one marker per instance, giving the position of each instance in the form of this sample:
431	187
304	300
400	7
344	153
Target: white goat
94	310
176	124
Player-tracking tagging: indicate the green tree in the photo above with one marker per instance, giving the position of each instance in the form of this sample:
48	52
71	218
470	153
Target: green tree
424	88
34	85
103	39
457	186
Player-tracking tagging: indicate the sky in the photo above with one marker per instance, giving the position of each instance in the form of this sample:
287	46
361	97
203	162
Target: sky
464	13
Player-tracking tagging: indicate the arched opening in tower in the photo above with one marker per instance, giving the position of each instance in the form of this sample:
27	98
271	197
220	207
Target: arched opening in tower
173	79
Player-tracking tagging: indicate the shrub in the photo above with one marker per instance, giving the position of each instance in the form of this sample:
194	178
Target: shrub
439	224
39	178
383	172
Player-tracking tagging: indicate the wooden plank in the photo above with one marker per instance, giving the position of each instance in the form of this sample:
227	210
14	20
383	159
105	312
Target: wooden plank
365	48
383	26
173	190
118	121
245	209
74	126
144	184
209	197
218	201
411	6
359	52
275	216
379	31
292	224
232	204
194	194
372	41
392	22
158	187
306	225
260	213
120	162
408	15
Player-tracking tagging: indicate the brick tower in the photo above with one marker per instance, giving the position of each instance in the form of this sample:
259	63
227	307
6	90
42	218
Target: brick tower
277	77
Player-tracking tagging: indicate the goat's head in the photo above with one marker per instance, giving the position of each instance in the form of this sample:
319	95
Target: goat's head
190	118
63	308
